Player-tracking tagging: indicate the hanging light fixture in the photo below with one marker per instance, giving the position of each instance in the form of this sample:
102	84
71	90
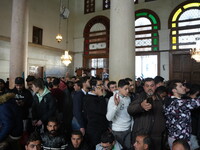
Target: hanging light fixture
59	36
195	52
66	59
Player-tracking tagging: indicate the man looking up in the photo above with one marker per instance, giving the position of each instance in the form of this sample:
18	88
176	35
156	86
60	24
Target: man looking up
177	112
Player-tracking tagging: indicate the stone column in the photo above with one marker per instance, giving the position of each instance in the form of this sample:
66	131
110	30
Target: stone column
122	53
19	40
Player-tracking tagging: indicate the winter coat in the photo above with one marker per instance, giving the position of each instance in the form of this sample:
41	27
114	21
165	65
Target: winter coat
45	109
10	119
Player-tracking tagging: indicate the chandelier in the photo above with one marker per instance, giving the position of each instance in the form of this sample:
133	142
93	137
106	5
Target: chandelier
66	59
195	52
59	36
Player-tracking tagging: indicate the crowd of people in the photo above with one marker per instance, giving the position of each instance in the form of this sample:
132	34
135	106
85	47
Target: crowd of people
88	113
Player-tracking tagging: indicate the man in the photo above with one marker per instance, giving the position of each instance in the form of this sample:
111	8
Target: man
44	105
29	81
24	100
131	89
59	96
177	112
108	142
52	139
3	88
159	81
34	142
95	109
112	87
77	142
117	113
78	122
147	112
11	124
143	142
180	144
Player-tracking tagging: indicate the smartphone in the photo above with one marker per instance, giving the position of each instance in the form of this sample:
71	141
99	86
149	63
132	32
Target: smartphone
150	99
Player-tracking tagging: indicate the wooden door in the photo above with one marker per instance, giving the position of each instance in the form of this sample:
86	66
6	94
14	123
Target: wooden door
184	68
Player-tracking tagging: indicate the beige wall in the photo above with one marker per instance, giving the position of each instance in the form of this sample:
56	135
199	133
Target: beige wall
44	14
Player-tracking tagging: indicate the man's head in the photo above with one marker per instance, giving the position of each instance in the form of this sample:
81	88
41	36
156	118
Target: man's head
52	126
143	142
2	84
76	138
149	86
78	85
112	86
123	87
161	92
180	144
131	85
33	142
176	88
29	81
19	83
38	84
159	81
105	83
85	82
96	86
56	82
107	140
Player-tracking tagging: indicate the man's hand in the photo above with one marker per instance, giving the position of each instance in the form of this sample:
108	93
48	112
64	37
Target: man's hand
146	106
116	99
82	131
39	123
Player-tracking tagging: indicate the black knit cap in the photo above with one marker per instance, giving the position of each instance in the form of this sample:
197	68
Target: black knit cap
19	80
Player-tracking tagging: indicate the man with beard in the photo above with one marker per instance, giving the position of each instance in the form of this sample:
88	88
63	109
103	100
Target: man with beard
147	112
52	139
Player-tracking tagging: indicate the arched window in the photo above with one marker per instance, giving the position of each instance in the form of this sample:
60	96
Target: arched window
147	25
96	43
184	23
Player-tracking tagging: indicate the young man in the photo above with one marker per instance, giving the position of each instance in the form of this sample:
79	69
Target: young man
95	109
44	105
143	142
117	113
112	87
52	139
24	100
177	112
108	142
77	142
78	121
34	142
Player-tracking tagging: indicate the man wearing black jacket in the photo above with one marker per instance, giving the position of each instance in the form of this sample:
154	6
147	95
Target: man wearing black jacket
44	105
95	109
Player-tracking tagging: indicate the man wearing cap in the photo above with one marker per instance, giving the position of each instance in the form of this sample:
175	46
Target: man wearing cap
24	99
